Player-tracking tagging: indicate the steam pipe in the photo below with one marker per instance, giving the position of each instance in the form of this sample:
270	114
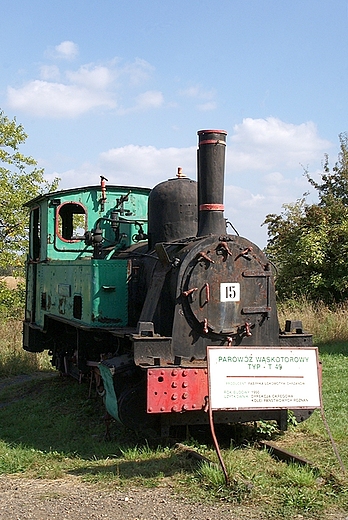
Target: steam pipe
211	169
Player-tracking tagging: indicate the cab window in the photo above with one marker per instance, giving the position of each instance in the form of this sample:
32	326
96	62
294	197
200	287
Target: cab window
71	221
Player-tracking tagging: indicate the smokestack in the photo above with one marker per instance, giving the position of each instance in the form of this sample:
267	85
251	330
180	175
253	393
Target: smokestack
211	169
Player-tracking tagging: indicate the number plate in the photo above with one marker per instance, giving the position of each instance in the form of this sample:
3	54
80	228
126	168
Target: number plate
229	292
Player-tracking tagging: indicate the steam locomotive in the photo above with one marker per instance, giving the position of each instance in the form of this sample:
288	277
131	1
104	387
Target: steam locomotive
130	286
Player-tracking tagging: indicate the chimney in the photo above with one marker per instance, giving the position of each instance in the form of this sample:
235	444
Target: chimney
211	168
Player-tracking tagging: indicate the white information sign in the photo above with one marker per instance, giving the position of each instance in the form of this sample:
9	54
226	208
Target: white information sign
247	378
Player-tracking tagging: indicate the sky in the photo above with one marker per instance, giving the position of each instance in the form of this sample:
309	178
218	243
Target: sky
120	89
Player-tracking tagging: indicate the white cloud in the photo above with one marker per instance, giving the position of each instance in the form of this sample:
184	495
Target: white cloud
205	107
67	50
71	93
150	99
137	72
50	72
147	165
264	144
145	101
91	77
198	93
56	100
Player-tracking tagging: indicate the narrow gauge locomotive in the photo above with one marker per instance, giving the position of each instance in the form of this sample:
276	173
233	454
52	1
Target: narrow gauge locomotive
131	286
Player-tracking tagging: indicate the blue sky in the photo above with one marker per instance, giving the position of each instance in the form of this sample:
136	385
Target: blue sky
121	89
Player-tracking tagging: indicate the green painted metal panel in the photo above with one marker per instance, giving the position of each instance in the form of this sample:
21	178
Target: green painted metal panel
58	245
88	292
110	292
64	280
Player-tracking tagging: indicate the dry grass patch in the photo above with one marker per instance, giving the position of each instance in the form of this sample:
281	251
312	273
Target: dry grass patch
13	359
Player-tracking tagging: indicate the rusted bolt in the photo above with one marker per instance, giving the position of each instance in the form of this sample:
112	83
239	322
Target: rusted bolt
244	252
204	255
189	291
224	249
247	329
207	293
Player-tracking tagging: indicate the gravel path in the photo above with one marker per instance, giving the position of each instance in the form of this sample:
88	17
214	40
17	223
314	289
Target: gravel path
26	499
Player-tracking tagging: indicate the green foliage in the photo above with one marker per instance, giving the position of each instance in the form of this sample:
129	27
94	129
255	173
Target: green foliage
12	300
20	180
309	242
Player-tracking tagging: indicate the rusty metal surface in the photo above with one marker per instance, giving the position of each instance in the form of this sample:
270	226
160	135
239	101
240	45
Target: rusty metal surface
227	290
176	389
284	455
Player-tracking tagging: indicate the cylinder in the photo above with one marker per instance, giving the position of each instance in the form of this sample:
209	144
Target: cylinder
211	170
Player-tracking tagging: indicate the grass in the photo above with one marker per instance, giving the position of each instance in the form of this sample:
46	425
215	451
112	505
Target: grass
49	428
329	325
13	359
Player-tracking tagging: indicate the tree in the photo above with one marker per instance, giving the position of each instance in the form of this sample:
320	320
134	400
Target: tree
309	243
20	180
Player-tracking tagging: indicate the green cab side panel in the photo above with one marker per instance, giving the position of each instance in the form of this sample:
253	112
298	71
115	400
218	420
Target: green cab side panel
66	280
89	292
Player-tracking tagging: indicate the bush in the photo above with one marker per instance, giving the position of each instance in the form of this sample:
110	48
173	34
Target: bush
12	301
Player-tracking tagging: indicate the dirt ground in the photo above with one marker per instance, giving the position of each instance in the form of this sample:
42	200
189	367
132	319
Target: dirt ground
25	499
40	499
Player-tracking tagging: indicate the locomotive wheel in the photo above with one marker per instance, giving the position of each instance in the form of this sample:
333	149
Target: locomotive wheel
132	410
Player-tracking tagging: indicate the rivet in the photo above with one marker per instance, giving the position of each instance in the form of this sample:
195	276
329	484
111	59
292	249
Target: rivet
185	407
174	372
162	408
150	372
185	395
175	408
174	384
185	384
150	409
194	406
184	373
174	397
